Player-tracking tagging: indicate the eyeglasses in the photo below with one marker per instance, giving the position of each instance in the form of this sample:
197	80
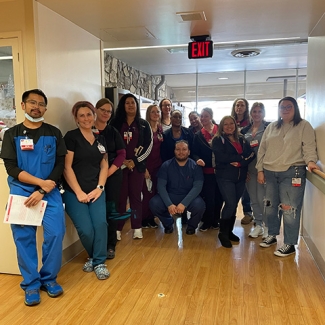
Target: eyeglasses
286	108
35	103
105	110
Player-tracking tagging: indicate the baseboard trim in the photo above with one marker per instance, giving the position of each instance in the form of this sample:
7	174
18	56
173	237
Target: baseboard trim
320	263
71	252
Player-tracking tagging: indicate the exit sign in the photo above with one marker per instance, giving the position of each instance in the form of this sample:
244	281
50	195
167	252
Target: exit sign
200	50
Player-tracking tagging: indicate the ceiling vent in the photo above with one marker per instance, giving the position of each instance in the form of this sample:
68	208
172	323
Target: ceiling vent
191	15
247	53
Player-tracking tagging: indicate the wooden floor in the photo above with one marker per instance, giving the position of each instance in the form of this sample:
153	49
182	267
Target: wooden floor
179	279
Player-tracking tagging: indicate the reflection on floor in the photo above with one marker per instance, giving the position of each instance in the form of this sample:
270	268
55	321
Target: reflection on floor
179	279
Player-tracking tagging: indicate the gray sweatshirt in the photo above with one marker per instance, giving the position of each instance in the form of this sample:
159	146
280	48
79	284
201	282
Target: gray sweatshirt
287	146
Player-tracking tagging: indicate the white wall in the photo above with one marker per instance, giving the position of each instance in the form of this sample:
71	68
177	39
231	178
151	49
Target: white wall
68	70
314	203
68	65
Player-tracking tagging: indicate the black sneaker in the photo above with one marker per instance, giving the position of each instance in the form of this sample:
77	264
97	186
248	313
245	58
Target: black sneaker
204	227
145	224
169	230
152	224
268	241
216	226
190	230
285	250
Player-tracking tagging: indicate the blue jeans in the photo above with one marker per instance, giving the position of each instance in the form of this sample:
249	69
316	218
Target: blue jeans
90	222
279	192
256	193
246	203
231	193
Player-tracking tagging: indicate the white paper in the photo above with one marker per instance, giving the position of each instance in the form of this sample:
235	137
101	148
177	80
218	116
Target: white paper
17	213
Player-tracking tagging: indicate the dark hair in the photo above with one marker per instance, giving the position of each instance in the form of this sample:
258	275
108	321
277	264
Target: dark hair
182	141
120	114
104	101
33	91
246	113
257	104
81	104
160	106
161	102
296	117
193	112
220	132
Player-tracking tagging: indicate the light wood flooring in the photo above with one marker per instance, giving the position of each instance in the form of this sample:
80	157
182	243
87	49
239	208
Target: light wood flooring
178	279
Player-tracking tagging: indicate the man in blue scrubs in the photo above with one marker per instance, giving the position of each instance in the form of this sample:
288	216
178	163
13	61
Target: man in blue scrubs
180	182
33	154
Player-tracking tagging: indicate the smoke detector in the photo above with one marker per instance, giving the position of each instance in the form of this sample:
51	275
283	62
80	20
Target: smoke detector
246	53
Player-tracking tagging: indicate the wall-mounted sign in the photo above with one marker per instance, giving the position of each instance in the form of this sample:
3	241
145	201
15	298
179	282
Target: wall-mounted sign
200	50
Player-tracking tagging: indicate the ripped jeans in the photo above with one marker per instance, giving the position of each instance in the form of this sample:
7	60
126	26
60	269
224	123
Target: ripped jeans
282	200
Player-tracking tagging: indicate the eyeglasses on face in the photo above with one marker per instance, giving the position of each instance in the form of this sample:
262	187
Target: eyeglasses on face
105	110
286	108
35	103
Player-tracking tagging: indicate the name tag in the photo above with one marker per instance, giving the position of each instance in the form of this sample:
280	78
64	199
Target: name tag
296	182
26	144
254	143
101	148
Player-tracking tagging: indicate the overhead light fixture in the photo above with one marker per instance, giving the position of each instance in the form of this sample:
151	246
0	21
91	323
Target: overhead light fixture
223	78
6	57
246	53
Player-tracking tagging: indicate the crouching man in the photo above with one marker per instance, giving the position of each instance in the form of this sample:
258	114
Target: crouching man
180	182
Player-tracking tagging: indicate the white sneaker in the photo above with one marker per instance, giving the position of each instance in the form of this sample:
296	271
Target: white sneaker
257	231
118	235
266	232
137	233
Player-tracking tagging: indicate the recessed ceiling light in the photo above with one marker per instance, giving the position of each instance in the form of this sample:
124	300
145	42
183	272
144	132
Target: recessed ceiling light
223	78
245	53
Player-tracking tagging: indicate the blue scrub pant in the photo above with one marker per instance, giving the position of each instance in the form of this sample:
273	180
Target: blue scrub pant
90	222
25	240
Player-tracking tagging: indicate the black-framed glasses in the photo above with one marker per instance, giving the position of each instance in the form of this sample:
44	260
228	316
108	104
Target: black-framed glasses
35	103
286	108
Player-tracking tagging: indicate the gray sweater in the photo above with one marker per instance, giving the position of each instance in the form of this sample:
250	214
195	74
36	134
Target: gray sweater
287	146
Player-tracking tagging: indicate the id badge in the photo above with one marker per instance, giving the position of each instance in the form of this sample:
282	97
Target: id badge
296	182
130	135
254	143
26	144
101	148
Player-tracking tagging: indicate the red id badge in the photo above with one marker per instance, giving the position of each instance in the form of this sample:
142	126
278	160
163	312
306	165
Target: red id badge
254	143
296	182
26	144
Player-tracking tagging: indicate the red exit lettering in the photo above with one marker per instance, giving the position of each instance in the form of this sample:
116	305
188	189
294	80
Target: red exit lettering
199	50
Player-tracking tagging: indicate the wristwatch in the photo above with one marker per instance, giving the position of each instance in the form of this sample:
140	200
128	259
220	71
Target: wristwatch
42	191
101	187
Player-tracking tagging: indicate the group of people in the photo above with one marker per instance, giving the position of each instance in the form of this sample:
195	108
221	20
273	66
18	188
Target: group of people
116	165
